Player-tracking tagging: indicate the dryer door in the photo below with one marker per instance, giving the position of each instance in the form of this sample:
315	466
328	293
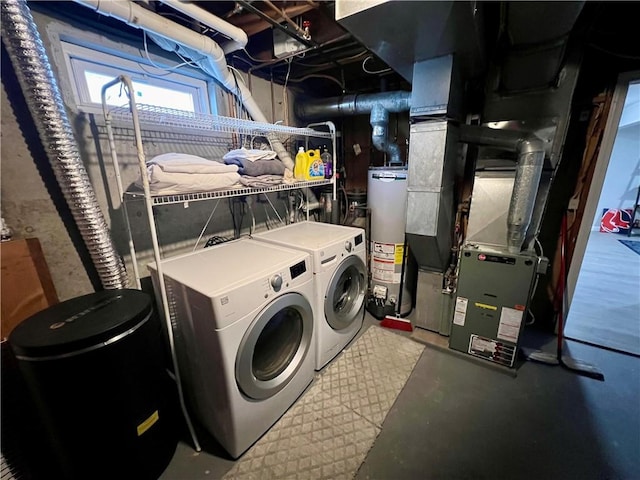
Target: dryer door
344	298
274	346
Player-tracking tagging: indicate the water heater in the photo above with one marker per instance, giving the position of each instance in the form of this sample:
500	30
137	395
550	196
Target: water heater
387	202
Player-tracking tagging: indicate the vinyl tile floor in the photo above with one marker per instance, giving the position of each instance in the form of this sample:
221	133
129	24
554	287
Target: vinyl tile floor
458	419
605	309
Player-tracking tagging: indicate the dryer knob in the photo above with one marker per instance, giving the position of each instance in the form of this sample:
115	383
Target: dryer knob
276	282
348	246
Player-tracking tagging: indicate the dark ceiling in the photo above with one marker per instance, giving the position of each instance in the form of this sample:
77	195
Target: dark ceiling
332	61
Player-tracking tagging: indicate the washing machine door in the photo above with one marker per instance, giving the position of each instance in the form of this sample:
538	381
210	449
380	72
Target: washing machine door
274	346
344	298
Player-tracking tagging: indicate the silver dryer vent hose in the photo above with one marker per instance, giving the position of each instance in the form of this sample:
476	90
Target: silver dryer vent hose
30	61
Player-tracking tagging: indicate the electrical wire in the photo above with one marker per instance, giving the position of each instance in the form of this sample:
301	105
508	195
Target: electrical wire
285	102
251	57
539	246
615	54
329	64
253	219
319	75
275	210
236	71
364	62
236	57
169	70
215	207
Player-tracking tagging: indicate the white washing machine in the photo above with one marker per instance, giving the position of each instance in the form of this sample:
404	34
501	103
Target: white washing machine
339	267
243	327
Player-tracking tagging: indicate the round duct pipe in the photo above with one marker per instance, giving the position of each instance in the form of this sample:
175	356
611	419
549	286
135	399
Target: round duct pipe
42	95
380	135
398	101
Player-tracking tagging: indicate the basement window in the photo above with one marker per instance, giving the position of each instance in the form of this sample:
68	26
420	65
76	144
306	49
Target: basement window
170	88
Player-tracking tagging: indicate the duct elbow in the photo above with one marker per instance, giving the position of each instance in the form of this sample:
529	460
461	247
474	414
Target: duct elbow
530	149
380	134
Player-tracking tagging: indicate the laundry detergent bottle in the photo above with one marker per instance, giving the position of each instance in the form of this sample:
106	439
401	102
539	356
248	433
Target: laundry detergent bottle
301	165
315	171
327	161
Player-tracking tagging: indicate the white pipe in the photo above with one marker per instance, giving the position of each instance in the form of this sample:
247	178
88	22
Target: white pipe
139	17
238	36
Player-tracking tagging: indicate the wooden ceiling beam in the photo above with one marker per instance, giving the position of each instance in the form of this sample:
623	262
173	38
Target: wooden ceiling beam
252	24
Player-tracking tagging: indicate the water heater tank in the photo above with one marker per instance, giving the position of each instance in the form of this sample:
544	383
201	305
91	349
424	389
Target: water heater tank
387	201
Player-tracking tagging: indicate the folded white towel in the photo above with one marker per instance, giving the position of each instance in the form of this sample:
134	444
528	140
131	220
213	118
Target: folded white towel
165	183
250	154
185	163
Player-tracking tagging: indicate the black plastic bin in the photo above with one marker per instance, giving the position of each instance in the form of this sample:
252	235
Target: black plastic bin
95	368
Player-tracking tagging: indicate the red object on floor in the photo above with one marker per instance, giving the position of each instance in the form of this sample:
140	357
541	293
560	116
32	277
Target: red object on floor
396	323
616	220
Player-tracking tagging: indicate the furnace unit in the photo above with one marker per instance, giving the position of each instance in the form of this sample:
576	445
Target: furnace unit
492	300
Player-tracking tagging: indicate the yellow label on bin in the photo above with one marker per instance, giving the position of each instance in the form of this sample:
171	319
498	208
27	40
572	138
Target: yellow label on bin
148	423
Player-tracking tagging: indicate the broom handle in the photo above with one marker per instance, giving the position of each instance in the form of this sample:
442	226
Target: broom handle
404	256
561	284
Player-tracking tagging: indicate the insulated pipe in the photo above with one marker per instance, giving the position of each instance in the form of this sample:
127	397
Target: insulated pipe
29	57
530	150
398	101
380	136
213	62
238	36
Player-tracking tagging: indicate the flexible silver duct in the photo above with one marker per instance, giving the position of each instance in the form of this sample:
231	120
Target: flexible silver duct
530	151
380	134
30	61
525	190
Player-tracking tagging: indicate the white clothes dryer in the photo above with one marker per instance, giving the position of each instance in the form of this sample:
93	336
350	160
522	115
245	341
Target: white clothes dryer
339	267
243	328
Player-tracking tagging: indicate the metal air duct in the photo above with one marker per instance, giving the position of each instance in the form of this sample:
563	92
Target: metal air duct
28	55
530	159
380	134
399	101
378	104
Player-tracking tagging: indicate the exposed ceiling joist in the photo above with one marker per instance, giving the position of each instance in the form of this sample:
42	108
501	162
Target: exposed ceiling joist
253	24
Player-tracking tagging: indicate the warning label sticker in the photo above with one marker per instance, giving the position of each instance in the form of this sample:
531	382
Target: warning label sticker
383	270
384	251
482	347
399	254
460	313
509	327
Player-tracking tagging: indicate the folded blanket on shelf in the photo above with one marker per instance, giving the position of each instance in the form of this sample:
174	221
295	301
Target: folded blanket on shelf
172	173
261	181
250	154
185	163
257	167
